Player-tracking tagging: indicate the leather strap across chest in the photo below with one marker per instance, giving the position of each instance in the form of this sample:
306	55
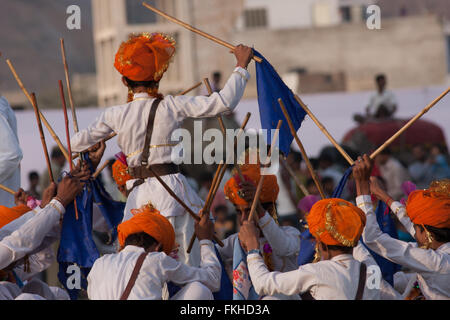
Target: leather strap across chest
134	275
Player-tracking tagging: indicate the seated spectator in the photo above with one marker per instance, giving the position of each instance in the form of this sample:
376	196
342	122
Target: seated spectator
421	169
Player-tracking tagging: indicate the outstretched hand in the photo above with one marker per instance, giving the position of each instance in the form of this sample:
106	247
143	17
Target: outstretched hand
243	55
361	173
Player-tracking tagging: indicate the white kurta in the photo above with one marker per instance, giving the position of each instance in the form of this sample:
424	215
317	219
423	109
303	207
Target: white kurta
129	121
110	274
432	266
284	241
10	153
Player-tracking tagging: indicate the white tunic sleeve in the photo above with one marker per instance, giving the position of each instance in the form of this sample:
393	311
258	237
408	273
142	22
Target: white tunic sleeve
287	283
397	251
10	153
400	211
217	103
208	273
30	235
285	241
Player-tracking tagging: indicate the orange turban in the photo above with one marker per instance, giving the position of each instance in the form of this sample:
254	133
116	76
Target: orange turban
9	214
145	57
252	172
336	222
119	172
431	206
148	220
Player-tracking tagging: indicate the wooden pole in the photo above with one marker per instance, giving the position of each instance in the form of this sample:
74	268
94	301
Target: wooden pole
9	190
69	89
219	117
190	89
66	122
408	124
292	173
195	30
47	125
325	131
302	149
252	215
181	202
99	170
41	133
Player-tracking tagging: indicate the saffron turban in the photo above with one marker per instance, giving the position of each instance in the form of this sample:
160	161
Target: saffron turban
252	173
431	206
336	222
148	220
145	57
9	214
119	170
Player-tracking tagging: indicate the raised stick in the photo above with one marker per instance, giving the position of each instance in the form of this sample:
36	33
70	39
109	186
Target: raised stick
302	149
408	124
41	133
66	122
9	190
69	89
324	130
210	92
181	202
190	89
252	214
195	30
292	173
47	125
99	170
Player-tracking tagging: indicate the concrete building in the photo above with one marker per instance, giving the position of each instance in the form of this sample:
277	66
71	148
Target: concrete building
316	45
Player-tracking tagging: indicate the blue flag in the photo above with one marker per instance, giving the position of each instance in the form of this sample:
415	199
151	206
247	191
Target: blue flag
307	248
226	287
76	245
270	88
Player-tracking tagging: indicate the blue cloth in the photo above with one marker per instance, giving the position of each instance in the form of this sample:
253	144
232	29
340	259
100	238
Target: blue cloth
307	248
386	225
337	193
270	87
77	245
226	287
242	283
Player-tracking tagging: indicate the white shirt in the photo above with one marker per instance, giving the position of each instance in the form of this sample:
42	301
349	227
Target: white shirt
432	266
10	153
30	237
394	174
400	211
110	274
129	120
386	98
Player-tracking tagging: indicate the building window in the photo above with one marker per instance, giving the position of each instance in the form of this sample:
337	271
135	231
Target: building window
346	13
137	14
255	18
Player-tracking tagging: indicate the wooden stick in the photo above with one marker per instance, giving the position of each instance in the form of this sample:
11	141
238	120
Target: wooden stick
99	170
69	89
66	122
292	173
252	215
195	30
181	202
219	117
47	125
190	89
41	133
324	130
9	190
302	149
408	124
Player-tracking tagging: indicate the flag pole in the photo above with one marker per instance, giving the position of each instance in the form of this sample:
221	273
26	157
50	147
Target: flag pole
195	30
324	130
408	124
252	215
302	149
41	133
47	125
292	173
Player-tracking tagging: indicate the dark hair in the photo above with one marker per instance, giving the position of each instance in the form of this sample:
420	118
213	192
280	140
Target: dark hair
221	208
134	84
33	175
56	152
140	239
380	77
217	74
327	179
439	234
270	207
344	249
310	182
